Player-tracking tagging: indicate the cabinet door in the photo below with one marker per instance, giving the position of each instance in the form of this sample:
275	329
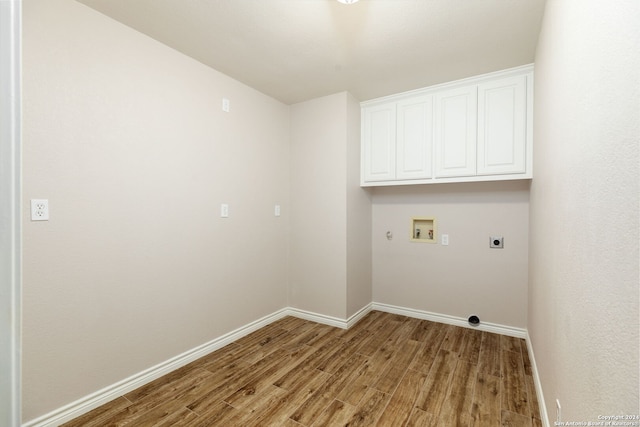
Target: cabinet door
379	142
415	138
455	132
502	121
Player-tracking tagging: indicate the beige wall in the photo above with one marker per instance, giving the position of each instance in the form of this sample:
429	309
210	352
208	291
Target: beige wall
127	140
466	277
584	257
330	213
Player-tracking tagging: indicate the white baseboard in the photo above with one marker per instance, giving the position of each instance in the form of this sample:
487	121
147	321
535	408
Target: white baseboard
329	320
107	394
94	400
355	318
544	416
316	317
451	320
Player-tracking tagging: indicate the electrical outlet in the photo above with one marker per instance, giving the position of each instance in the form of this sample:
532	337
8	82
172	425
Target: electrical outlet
558	411
276	210
445	239
226	105
496	242
224	210
39	210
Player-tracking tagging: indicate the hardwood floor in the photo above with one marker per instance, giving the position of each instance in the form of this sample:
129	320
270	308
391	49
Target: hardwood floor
387	370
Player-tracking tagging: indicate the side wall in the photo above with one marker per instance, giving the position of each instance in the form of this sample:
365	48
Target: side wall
585	221
466	277
127	140
318	250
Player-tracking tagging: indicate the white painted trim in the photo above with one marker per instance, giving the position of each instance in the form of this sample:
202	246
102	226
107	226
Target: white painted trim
318	318
450	320
330	320
100	397
544	415
10	211
357	316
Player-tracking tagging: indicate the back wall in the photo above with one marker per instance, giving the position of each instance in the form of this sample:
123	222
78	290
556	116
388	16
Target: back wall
466	277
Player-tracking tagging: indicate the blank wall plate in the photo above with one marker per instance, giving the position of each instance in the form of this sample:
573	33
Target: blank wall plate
39	210
224	210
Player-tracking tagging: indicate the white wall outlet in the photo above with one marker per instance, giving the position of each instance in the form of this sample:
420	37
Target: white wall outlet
224	210
558	411
445	240
276	210
39	210
226	105
496	242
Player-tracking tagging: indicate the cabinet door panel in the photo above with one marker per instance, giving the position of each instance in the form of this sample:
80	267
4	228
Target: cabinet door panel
502	126
415	138
379	134
456	125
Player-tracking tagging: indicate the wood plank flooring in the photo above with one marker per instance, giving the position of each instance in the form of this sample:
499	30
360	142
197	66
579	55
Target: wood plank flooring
387	370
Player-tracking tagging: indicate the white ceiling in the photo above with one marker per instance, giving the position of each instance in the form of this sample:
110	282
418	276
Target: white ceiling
295	50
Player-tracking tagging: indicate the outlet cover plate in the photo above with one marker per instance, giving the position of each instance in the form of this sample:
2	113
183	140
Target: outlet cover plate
39	210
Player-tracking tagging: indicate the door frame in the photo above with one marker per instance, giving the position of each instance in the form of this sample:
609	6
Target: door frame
10	211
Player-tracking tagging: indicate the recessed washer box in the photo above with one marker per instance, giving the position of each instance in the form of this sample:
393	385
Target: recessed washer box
423	229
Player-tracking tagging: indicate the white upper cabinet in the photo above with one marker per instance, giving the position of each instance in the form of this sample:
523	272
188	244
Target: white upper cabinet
502	126
414	138
455	130
475	129
397	140
379	143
